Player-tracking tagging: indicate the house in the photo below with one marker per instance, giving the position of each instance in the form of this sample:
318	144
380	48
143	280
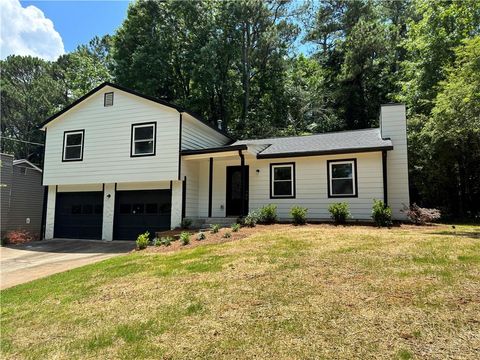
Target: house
118	163
22	196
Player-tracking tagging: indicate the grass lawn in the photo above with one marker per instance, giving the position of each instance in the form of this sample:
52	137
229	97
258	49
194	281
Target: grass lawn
284	292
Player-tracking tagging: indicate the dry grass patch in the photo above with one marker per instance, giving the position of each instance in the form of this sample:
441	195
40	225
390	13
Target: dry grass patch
283	292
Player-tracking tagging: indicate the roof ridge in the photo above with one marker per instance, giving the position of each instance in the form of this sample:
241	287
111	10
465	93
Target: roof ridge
309	135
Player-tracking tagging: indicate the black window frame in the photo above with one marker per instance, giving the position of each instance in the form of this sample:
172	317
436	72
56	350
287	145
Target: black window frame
354	180
293	180
132	139
65	135
105	98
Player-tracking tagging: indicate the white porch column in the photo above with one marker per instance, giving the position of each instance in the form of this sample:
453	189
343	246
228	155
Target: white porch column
108	211
50	216
176	217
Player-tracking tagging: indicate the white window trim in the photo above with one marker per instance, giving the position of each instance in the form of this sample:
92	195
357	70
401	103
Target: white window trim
292	180
134	128
331	178
65	146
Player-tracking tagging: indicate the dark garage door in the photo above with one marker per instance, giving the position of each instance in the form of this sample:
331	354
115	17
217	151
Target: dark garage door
78	215
140	211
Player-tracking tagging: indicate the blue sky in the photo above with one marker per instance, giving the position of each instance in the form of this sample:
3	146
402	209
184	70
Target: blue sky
79	21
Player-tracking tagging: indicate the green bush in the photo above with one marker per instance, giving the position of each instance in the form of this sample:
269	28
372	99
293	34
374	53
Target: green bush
143	240
156	242
227	235
186	223
299	215
201	236
185	238
381	214
251	219
339	212
166	241
214	228
268	214
235	227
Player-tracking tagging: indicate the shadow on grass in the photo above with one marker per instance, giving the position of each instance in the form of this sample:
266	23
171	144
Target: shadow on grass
467	234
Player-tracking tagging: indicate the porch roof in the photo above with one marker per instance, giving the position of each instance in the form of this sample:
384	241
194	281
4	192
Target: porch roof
342	142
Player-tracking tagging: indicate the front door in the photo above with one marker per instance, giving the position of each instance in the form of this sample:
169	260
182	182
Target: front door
234	191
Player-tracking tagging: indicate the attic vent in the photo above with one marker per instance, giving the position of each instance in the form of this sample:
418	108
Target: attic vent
108	99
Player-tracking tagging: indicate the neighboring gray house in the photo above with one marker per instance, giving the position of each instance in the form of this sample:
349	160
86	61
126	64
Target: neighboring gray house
22	196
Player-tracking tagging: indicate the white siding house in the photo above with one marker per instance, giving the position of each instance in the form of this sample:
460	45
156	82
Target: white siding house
118	163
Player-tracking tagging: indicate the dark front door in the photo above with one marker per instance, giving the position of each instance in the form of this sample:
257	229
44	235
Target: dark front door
140	211
79	215
234	191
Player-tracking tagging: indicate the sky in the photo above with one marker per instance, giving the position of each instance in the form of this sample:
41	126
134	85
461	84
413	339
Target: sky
48	29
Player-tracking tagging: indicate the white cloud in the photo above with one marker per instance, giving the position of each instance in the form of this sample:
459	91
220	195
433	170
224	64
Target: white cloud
26	31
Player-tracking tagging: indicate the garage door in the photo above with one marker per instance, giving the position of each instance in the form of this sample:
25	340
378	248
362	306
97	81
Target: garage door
140	211
78	215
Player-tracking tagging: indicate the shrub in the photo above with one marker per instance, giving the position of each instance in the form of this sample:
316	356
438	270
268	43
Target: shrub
214	228
186	223
201	236
381	213
156	241
420	215
235	227
299	215
227	235
19	237
267	214
185	238
166	241
340	212
143	240
251	219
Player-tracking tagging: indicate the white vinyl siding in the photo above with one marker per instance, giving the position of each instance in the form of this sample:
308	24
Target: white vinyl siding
311	185
196	135
107	142
394	126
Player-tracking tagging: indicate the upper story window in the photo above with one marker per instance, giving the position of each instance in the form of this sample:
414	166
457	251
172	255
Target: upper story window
73	145
282	180
143	139
108	99
342	178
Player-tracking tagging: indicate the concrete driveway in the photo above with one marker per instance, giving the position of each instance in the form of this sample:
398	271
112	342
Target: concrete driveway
22	263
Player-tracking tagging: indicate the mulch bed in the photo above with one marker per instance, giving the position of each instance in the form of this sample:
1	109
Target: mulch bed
244	232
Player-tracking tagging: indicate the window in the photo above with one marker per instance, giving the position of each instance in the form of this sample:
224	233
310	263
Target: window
282	180
342	178
143	139
73	145
108	99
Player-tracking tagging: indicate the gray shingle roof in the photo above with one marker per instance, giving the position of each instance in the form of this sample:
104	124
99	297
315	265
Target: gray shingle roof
327	143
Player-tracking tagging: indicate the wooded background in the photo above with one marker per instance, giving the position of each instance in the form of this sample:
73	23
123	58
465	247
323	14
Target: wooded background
239	61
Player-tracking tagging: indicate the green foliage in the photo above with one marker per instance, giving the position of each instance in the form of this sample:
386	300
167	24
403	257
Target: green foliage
381	214
339	212
235	227
227	235
251	219
143	240
186	223
166	240
214	228
201	236
267	214
156	242
185	238
299	215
